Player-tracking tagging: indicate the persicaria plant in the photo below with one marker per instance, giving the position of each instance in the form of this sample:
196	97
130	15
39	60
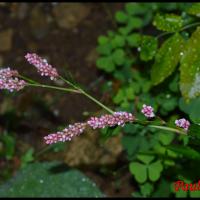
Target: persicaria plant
11	80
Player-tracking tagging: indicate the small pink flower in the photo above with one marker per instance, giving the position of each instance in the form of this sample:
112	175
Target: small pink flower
183	123
118	118
42	65
66	135
148	111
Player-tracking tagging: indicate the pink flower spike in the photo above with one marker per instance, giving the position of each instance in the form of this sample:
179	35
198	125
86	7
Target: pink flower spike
148	111
42	65
118	118
9	81
6	73
66	135
12	84
183	123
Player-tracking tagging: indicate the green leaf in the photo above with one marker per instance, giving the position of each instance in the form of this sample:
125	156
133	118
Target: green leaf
194	9
146	189
194	130
167	58
191	108
155	170
166	137
163	189
103	40
185	151
49	179
133	39
119	97
121	17
195	194
148	47
190	67
9	143
139	171
118	56
134	23
130	144
134	8
106	63
104	49
168	22
181	194
130	93
117	41
145	158
27	157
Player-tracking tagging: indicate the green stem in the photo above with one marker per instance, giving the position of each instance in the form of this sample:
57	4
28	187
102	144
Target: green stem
87	95
148	123
97	102
54	87
168	129
28	79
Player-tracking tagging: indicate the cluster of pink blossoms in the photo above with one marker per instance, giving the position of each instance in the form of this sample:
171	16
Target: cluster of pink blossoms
42	65
183	123
148	112
118	118
9	81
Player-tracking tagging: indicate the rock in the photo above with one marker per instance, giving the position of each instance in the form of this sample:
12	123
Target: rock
87	150
6	40
69	15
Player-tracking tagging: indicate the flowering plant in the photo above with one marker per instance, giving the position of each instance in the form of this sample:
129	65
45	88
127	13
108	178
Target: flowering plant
12	80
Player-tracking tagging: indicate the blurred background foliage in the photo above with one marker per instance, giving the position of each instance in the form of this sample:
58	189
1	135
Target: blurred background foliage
125	54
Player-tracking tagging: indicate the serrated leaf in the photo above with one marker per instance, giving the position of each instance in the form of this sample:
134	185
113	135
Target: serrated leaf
121	17
106	63
148	47
167	58
194	9
49	179
168	22
155	170
190	67
139	171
